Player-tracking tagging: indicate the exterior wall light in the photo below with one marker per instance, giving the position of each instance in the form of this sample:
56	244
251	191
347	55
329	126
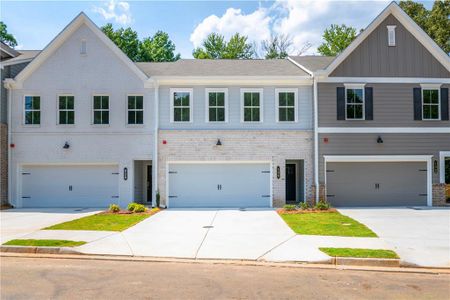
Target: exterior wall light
379	140
435	166
278	172
125	173
219	143
66	145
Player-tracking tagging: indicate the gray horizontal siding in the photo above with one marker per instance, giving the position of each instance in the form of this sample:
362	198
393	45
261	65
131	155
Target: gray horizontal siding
374	58
394	144
392	107
234	110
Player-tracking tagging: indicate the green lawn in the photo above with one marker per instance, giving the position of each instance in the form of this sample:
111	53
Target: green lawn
48	243
106	222
361	253
326	223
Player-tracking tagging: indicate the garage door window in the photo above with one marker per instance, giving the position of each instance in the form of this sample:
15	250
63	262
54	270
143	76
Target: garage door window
32	110
101	110
66	114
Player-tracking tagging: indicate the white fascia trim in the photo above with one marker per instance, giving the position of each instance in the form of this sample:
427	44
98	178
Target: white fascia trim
300	66
409	24
233	80
383	130
216	90
79	20
442	156
418	80
15	62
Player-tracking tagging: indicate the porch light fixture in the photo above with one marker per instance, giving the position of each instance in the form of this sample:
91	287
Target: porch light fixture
435	166
379	140
278	172
219	143
125	173
66	145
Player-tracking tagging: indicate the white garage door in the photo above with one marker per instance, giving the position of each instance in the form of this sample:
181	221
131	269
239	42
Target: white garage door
70	186
219	185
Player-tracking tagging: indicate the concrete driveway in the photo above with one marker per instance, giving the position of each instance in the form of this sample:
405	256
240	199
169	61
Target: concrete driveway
231	234
420	237
16	223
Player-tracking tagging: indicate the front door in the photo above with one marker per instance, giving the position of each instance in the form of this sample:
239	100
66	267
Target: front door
290	183
149	184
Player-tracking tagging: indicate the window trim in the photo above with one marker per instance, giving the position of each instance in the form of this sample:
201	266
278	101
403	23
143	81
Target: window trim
261	104
24	111
216	90
57	110
93	110
191	104
431	87
277	104
353	86
143	111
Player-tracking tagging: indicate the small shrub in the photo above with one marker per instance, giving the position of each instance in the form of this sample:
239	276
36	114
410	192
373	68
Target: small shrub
131	206
289	207
114	208
322	205
138	208
304	205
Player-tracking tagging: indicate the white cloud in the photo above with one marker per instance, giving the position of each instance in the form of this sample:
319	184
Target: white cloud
118	11
256	26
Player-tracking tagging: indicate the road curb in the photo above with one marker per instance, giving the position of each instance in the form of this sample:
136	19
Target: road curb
372	262
39	250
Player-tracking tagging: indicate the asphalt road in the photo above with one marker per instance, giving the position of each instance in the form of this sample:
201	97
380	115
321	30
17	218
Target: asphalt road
43	278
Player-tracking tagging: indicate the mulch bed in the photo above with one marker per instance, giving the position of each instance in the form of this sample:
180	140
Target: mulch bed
282	211
126	212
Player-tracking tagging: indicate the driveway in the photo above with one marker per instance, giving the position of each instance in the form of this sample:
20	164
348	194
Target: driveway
16	223
420	237
189	233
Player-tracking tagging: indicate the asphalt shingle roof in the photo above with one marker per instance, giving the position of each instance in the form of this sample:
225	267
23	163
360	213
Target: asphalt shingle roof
313	62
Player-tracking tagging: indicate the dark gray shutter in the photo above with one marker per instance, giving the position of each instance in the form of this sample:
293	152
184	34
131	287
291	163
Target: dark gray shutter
444	104
340	91
417	104
368	94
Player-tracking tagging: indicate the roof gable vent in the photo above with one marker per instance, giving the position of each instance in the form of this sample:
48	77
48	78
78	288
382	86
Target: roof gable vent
83	47
391	35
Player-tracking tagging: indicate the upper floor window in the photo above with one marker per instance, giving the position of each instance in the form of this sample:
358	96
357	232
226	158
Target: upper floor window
181	105
216	105
251	105
66	110
32	110
430	104
354	103
286	105
101	110
135	110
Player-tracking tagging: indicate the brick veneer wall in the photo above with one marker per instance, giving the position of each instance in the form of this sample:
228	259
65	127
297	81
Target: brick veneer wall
3	164
439	196
238	145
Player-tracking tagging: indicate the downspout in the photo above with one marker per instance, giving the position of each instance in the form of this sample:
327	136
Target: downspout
316	139
155	143
9	91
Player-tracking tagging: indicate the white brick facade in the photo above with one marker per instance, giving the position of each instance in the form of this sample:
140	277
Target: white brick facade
238	145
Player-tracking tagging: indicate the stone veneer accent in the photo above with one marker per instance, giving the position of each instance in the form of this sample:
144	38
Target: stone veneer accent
238	145
3	164
439	196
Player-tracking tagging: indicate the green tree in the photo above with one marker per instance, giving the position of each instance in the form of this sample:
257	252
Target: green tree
6	37
126	39
277	46
337	38
215	47
435	22
158	48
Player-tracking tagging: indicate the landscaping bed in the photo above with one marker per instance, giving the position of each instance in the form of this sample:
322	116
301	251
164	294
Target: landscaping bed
44	243
360	253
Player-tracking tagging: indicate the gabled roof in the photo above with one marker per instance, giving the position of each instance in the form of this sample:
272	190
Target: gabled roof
23	57
313	63
222	67
7	52
408	23
64	35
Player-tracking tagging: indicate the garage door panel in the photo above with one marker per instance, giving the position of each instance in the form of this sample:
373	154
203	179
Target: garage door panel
377	183
69	186
219	185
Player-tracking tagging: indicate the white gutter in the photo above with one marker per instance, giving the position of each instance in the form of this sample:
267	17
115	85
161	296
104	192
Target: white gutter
155	144
316	139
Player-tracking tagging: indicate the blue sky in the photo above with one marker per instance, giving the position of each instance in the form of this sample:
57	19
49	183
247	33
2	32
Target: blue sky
36	23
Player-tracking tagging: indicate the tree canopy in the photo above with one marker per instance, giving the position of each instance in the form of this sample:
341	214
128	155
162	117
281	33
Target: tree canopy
277	46
336	39
215	47
7	37
158	48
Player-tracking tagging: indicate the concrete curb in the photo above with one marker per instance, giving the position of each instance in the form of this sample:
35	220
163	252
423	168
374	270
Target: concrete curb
40	250
372	262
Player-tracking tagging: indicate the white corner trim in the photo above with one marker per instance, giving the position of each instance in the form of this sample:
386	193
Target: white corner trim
383	130
191	103
442	156
277	104
216	90
261	104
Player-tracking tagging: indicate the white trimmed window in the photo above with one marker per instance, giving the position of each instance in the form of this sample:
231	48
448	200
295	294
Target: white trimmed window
391	35
32	113
354	102
431	104
251	105
135	113
181	105
216	105
286	108
101	110
66	110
